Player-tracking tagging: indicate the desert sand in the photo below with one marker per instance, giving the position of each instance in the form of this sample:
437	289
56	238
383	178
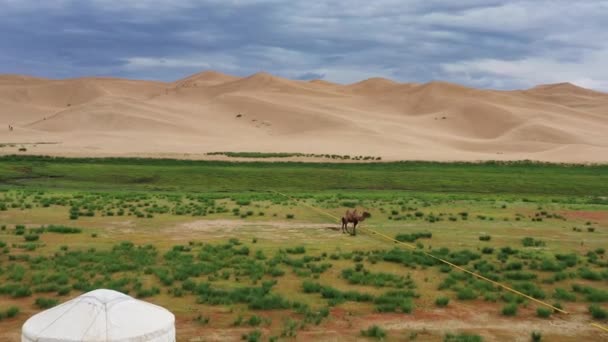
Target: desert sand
210	112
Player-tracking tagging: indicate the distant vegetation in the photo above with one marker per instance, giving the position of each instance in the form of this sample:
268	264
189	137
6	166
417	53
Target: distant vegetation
289	155
209	176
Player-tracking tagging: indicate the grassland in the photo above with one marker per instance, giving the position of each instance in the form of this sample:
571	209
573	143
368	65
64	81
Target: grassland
233	259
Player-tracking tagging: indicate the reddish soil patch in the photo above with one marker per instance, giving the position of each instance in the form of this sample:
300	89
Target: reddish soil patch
595	216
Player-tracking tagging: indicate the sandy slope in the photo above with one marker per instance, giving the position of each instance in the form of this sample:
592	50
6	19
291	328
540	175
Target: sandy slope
214	112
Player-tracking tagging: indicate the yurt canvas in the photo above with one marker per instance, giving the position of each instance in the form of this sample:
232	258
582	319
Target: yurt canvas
101	315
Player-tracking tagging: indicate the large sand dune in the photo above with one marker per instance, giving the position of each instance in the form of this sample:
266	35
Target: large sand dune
210	112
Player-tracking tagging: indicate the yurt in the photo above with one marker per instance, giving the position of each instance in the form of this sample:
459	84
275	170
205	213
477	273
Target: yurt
101	315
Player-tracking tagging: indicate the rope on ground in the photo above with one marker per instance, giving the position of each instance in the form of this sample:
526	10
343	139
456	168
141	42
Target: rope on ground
374	232
599	326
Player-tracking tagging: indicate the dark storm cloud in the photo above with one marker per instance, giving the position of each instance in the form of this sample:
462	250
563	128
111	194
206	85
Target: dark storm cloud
501	44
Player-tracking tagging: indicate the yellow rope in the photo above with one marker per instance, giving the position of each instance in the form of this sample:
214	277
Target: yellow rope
599	326
437	258
469	272
374	232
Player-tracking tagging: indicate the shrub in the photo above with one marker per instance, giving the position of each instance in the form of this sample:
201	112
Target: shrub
466	293
531	242
32	237
487	250
290	216
462	338
536	336
562	294
485	238
543	312
395	300
597	312
413	237
588	274
442	301
45	303
510	309
253	336
254	321
201	320
21	292
374	332
12	312
296	250
62	229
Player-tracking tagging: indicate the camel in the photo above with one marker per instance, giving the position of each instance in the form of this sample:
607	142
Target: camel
354	218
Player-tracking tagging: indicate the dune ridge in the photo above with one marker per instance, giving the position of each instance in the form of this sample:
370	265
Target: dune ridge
211	111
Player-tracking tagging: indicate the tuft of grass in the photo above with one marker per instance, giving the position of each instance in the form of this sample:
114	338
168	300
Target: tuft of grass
254	336
442	301
485	238
374	332
510	309
597	312
45	303
543	312
462	338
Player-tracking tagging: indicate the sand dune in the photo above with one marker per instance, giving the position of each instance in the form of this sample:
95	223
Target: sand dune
211	111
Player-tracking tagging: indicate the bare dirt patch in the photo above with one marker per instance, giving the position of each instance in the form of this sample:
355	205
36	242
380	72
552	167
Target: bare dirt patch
275	230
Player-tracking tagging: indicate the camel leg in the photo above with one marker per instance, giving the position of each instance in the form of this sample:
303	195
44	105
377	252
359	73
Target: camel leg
354	228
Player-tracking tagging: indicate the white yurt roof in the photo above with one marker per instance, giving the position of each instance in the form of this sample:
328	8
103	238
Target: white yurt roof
101	315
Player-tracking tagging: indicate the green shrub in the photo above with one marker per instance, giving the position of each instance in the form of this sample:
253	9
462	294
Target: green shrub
510	309
290	216
413	237
392	301
202	320
32	237
254	336
543	312
536	336
254	321
485	238
45	303
296	250
562	294
21	291
462	338
62	229
597	312
9	313
374	332
442	301
487	250
531	242
588	274
466	293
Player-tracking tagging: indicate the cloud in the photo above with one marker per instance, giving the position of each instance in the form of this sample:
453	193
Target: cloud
486	43
310	76
589	72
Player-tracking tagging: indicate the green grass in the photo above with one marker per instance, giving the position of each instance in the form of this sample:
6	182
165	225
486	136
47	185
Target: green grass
184	175
262	273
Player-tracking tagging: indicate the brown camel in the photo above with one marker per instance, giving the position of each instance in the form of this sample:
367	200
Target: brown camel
354	218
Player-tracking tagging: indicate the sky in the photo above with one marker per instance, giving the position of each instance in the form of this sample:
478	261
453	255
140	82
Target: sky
481	43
